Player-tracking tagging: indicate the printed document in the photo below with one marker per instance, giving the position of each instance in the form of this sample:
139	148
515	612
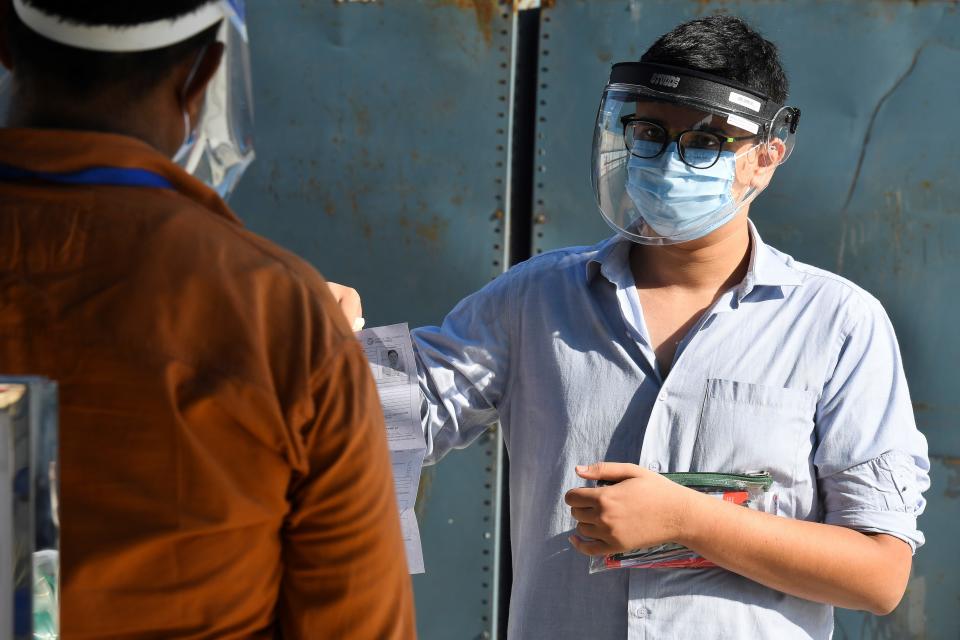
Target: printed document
390	353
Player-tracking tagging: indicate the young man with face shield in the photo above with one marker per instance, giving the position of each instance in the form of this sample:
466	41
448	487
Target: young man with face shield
686	344
223	461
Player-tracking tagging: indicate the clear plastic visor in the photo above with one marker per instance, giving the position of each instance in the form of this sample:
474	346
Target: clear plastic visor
223	138
668	171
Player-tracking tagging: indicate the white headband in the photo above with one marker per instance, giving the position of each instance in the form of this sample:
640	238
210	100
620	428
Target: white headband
118	39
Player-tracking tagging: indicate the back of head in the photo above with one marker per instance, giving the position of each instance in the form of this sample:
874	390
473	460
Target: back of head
724	46
42	64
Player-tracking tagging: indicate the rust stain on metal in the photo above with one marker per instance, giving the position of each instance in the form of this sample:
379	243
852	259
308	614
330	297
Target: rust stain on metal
432	231
723	6
485	10
424	490
362	117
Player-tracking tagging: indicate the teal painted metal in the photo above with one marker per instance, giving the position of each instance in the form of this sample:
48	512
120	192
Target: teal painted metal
381	159
870	192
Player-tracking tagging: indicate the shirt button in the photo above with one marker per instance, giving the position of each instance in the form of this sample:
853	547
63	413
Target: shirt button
662	396
654	466
641	612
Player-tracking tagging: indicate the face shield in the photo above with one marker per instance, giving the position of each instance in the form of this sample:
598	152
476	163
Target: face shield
677	153
219	146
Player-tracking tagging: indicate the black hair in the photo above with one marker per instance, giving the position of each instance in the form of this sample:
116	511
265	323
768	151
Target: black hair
725	46
79	73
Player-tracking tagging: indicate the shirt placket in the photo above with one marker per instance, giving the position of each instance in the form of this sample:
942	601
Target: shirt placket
641	604
650	455
641	624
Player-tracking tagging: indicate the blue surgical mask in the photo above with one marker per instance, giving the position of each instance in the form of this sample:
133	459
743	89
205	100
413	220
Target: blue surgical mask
679	201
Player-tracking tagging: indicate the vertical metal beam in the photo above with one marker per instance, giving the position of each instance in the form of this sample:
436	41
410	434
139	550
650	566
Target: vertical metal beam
519	207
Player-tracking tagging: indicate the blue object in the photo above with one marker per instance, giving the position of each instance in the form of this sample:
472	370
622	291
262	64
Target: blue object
677	200
23	611
109	176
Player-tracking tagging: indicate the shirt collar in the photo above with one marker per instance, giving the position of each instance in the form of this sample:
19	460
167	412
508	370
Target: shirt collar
65	151
612	260
767	267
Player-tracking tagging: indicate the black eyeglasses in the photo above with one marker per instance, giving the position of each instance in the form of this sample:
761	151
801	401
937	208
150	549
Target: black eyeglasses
698	149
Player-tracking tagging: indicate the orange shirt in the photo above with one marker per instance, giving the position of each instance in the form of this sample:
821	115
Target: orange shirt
224	467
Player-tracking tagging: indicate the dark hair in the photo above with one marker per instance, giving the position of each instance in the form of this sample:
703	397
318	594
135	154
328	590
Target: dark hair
78	73
725	46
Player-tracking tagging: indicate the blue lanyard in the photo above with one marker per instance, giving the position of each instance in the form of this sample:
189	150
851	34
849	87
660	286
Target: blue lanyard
107	176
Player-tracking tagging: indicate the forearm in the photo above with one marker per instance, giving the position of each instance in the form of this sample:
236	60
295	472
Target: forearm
453	412
810	560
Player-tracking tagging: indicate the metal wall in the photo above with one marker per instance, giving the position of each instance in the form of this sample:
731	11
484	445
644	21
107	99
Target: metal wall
384	159
382	147
870	192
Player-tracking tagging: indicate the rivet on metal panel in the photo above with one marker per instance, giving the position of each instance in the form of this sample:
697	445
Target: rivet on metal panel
540	218
497	215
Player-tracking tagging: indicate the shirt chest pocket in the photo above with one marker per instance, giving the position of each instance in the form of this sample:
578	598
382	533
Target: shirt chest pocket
752	427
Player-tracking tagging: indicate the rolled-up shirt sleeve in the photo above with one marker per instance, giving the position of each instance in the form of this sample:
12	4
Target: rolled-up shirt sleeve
871	461
463	367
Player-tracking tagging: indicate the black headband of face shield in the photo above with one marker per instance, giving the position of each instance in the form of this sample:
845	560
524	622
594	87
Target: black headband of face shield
731	96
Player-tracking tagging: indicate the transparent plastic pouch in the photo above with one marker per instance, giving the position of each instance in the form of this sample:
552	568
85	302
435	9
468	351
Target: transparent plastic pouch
751	490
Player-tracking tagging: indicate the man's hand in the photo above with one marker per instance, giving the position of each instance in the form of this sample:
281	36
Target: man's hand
349	301
641	510
820	562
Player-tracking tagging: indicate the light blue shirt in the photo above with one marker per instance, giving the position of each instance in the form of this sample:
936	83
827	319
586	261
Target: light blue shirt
796	371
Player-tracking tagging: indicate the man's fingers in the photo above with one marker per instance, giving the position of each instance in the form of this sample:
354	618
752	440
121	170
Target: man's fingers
583	497
589	530
590	547
350	304
613	471
584	514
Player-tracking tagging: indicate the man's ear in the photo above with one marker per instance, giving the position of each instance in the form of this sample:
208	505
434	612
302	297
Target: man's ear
6	15
196	75
768	159
773	154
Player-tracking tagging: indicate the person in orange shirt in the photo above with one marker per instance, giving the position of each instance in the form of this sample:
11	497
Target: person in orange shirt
223	456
